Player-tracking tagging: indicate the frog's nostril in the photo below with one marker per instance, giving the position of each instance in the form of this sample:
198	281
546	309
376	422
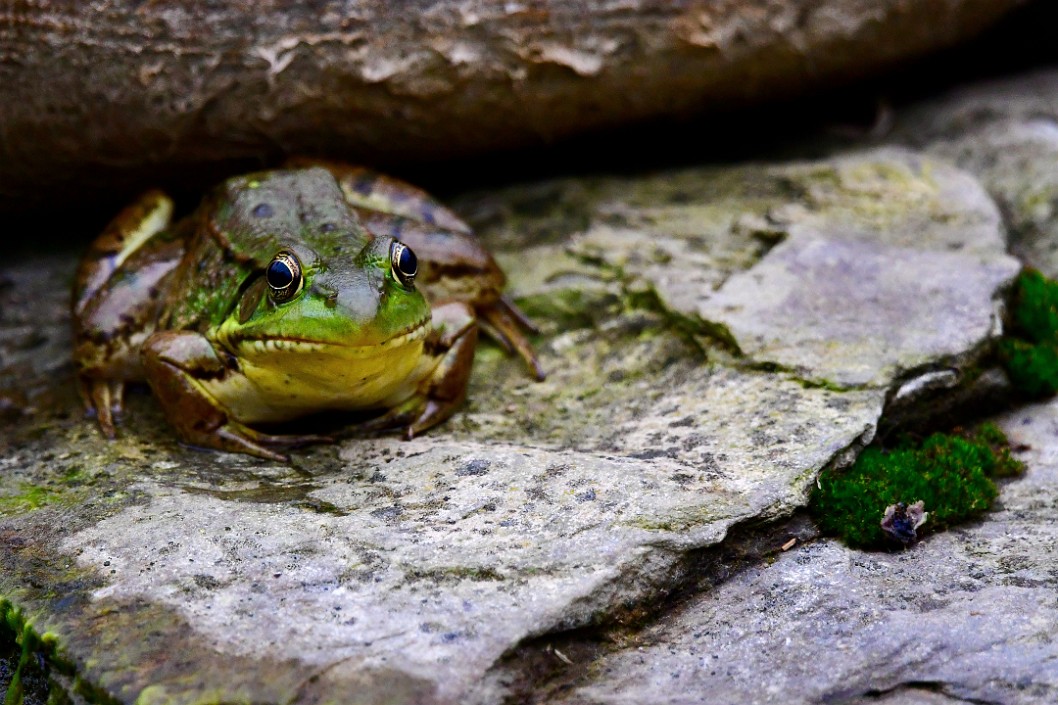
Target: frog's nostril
326	292
263	210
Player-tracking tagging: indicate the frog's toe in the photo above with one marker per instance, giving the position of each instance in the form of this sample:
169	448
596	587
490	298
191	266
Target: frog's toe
235	437
413	417
433	412
105	399
233	440
504	322
397	417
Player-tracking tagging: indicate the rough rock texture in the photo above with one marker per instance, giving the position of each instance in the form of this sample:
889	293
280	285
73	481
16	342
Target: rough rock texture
127	93
403	571
895	234
966	616
1006	133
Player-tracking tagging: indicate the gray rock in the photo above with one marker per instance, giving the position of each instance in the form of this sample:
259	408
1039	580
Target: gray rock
906	237
402	571
1006	133
861	246
965	616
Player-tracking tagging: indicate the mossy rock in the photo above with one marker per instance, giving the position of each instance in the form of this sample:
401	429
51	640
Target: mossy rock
952	474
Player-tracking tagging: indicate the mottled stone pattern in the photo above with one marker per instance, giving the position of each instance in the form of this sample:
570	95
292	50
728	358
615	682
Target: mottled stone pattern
1006	133
965	616
714	338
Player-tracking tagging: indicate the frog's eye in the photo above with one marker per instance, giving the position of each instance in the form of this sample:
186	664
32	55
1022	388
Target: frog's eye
405	264
284	276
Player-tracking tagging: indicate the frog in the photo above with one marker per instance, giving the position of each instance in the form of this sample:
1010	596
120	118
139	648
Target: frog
311	288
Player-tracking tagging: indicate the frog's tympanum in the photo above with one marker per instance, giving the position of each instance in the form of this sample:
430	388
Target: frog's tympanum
319	287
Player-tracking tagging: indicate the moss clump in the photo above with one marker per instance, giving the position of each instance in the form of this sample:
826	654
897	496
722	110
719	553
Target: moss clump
952	474
1030	352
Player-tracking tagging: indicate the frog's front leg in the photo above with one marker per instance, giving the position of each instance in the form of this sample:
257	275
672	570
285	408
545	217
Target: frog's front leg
177	363
117	292
442	375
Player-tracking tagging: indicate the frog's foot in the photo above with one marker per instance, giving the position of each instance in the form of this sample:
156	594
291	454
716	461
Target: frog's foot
243	439
177	363
448	358
503	322
105	399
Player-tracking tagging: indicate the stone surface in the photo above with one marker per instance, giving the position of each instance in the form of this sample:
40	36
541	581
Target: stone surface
1006	133
899	235
965	616
402	571
909	238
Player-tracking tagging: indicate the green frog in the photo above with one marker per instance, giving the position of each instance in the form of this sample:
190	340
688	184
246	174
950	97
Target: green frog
317	287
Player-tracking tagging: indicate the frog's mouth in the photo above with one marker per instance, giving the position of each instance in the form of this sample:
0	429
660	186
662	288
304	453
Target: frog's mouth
269	344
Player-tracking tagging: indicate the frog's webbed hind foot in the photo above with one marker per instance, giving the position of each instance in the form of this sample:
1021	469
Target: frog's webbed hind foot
174	362
236	437
414	416
506	324
105	398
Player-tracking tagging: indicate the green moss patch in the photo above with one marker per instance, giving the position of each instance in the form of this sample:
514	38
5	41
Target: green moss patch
953	474
1030	351
23	675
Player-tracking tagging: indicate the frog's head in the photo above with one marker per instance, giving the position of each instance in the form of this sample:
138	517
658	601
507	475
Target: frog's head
352	306
324	303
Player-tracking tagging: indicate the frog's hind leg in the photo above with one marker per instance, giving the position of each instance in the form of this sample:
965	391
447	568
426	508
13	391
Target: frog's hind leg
117	293
125	235
175	362
507	325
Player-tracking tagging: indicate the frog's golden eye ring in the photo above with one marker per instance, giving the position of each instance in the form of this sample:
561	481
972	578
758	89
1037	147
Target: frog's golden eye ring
404	263
284	276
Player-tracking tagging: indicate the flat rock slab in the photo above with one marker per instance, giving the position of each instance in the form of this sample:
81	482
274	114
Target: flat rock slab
402	571
965	616
868	235
903	236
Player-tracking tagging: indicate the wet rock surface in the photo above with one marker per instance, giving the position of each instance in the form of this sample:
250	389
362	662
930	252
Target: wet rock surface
698	383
